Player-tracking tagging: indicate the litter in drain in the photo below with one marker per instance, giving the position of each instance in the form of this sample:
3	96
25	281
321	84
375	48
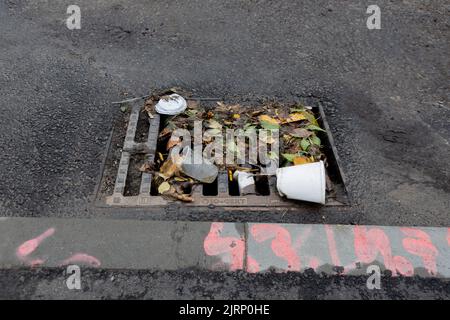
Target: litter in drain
133	188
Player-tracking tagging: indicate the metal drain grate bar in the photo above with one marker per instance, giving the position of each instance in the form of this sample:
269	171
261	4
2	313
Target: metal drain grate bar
223	197
129	144
152	141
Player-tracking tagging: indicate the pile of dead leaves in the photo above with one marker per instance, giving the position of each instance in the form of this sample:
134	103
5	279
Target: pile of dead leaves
296	123
169	179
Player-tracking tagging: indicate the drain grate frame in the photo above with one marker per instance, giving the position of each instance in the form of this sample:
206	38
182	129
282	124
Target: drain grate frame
116	198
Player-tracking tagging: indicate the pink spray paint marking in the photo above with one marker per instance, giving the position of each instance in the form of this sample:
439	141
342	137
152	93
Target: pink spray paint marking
252	265
28	247
332	246
233	247
419	244
314	263
281	244
448	237
82	258
369	243
301	239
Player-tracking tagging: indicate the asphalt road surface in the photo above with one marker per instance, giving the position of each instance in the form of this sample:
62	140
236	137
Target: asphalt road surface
386	94
195	284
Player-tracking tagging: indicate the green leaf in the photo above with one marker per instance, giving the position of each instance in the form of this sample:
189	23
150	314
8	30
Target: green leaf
315	140
191	112
273	155
310	118
289	156
124	109
314	128
269	126
305	144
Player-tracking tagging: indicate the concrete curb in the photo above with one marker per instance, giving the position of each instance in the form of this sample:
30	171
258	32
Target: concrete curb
165	245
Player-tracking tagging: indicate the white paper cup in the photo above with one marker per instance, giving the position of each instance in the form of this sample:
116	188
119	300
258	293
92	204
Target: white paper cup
304	182
246	182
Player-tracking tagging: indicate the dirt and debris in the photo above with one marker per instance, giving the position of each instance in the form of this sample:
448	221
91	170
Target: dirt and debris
299	141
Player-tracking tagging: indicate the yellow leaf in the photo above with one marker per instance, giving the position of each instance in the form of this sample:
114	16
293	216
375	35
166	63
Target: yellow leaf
268	119
236	116
164	187
294	117
310	117
301	160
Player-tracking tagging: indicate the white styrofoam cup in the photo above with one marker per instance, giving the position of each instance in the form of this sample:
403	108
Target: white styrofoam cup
304	182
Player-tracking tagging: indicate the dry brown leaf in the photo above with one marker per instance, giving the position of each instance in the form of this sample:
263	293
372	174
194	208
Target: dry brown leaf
173	141
168	169
146	167
165	132
150	115
209	114
235	108
213	124
182	197
193	104
300	133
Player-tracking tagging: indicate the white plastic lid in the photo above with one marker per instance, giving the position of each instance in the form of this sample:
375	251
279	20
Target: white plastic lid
171	105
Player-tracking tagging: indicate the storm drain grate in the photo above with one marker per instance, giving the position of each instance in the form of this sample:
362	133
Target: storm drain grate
218	194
